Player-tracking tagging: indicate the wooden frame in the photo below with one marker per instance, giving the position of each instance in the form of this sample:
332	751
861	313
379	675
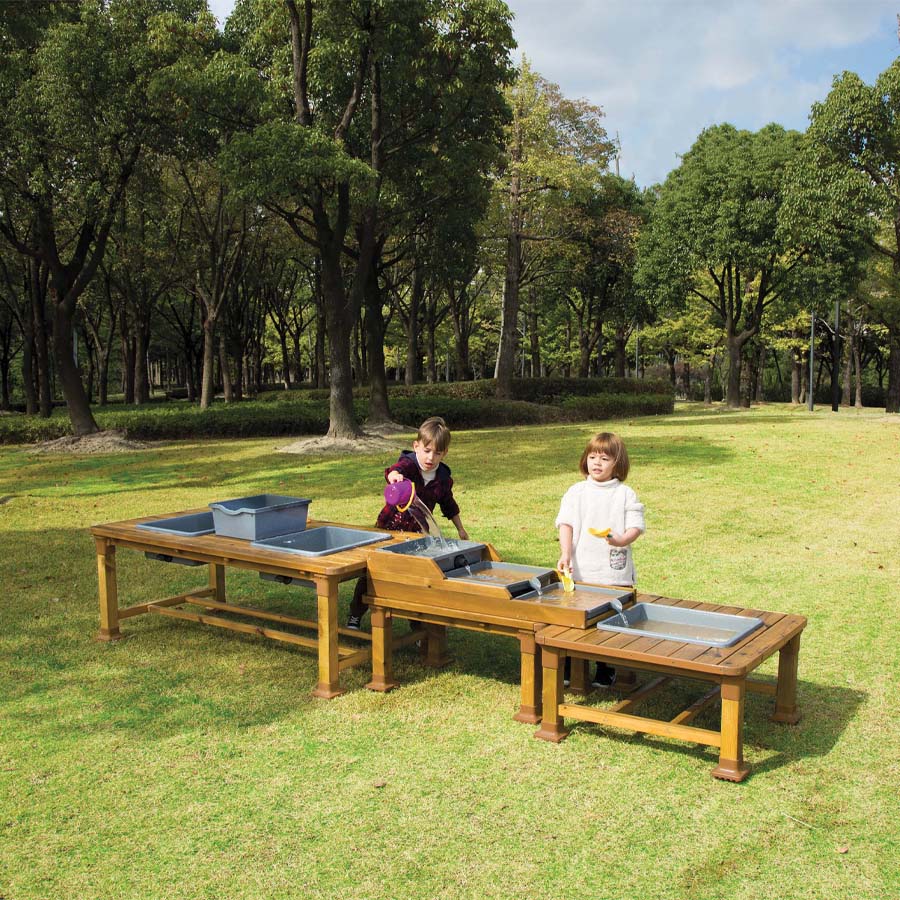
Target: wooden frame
728	668
434	646
325	572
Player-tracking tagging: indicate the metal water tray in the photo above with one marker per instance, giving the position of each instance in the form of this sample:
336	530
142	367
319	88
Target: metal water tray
448	554
594	600
322	540
517	579
193	525
679	623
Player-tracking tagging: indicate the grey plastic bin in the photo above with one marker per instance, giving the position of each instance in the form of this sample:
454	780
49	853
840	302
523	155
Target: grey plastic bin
260	516
680	623
322	540
192	525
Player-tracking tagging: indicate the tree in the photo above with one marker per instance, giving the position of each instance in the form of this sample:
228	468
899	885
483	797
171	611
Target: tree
82	95
847	185
713	234
372	85
555	151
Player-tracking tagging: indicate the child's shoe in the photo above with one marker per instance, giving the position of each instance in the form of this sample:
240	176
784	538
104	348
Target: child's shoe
354	622
605	676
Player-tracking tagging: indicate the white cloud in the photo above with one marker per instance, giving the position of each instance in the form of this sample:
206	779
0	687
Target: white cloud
664	69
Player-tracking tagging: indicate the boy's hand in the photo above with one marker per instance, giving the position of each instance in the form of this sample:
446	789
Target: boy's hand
463	534
394	477
615	540
564	564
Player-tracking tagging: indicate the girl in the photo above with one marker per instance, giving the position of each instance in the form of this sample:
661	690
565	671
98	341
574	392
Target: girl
599	519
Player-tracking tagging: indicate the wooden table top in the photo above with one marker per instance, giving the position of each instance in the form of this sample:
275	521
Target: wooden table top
732	662
343	564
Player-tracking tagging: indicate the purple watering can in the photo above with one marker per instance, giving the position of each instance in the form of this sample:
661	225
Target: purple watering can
400	494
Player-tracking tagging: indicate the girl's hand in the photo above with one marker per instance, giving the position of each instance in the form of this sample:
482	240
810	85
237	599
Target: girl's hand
615	540
394	477
564	564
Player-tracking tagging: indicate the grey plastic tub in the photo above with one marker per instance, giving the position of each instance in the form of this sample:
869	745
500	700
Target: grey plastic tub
448	554
678	623
261	516
194	525
322	540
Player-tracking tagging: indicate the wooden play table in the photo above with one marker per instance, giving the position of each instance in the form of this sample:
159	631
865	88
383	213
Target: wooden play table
324	573
413	588
727	667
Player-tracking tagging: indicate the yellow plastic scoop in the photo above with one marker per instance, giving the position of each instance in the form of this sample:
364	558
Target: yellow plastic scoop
597	533
568	582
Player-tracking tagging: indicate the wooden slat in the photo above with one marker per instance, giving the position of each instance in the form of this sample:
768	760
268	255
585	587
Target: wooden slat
648	690
642	724
696	707
353	658
241	627
141	608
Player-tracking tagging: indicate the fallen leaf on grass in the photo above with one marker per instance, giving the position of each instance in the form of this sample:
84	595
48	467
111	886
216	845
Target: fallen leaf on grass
844	849
379	783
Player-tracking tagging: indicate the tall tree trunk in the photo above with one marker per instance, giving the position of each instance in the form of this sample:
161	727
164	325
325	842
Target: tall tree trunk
796	373
535	338
848	367
224	365
506	355
41	343
892	397
379	408
83	422
621	339
207	379
29	360
733	385
413	358
858	367
141	368
319	364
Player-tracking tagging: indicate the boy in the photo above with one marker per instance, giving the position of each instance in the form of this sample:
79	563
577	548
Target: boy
424	467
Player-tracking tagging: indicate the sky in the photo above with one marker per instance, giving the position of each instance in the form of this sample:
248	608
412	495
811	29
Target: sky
663	70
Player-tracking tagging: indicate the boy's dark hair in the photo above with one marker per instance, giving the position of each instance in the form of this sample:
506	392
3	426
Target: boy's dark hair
612	445
434	431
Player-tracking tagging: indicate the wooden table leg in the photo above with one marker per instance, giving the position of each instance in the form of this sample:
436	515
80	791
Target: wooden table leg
217	581
108	588
436	654
382	651
786	709
329	674
731	765
551	724
530	697
579	681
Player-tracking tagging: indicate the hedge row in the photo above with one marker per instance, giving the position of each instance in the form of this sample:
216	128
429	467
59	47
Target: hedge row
298	415
531	390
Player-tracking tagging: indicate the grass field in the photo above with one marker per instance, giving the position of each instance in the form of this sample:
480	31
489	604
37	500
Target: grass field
188	762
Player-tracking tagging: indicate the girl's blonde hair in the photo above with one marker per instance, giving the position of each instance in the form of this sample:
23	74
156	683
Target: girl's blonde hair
612	445
434	431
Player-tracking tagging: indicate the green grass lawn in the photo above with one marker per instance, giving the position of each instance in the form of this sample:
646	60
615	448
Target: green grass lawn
189	762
